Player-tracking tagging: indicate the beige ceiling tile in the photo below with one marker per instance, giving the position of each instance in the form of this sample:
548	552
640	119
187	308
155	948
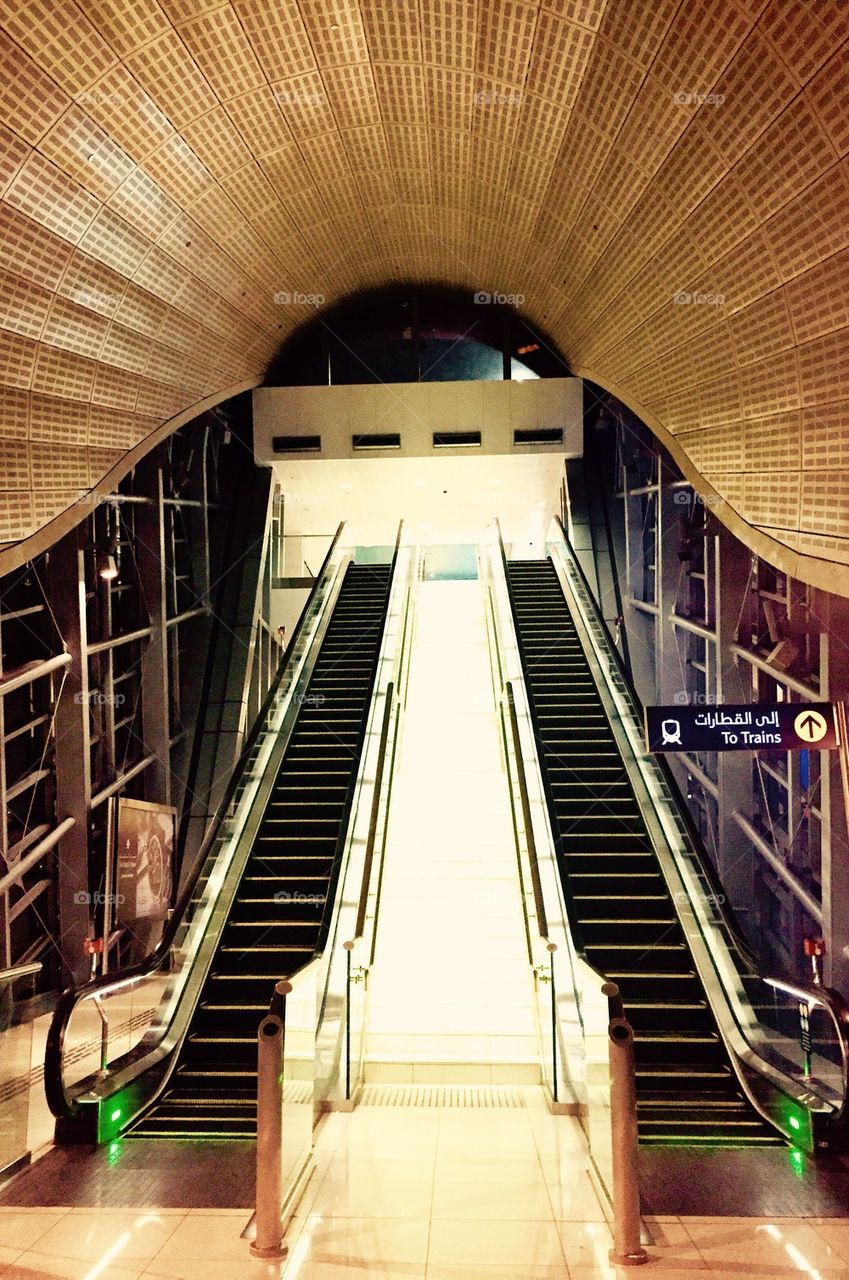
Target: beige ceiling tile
127	113
115	243
86	152
828	94
825	437
278	36
23	305
352	97
169	73
179	172
792	153
13	152
260	119
43	192
217	142
335	31
126	24
74	328
393	32
222	51
803	34
37	254
92	285
30	102
449	32
58	35
144	205
560	58
63	373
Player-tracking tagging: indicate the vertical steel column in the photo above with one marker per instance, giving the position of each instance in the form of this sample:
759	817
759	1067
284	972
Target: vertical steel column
66	585
155	700
736	868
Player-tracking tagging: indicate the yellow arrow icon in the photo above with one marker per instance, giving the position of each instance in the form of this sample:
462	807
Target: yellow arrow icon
811	726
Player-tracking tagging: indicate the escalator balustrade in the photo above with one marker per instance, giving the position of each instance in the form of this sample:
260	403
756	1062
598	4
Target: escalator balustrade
276	917
687	1091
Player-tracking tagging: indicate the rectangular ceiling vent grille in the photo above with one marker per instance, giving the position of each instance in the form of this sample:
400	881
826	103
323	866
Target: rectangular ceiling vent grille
297	444
539	435
377	440
456	439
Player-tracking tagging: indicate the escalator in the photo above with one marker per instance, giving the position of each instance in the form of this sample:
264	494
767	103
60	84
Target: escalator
687	1090
178	1029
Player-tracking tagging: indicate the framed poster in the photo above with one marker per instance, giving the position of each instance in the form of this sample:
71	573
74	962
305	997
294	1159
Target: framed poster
145	837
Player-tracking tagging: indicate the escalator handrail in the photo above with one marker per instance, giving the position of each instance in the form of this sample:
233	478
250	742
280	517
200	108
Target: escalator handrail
342	837
571	911
524	800
374	815
824	997
57	1099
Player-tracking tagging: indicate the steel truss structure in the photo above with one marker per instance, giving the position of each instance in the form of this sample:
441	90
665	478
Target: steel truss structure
104	643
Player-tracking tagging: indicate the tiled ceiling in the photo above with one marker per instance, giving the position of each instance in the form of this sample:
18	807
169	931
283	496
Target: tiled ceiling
665	183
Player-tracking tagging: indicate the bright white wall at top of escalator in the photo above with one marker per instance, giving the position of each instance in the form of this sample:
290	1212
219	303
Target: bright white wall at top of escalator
416	410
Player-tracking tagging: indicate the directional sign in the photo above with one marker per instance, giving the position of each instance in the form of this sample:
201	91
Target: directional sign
758	726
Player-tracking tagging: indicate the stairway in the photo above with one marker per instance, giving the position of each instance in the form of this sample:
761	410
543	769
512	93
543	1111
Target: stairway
686	1089
273	927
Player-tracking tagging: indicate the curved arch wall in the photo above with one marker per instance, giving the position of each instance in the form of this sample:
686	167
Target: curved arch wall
665	185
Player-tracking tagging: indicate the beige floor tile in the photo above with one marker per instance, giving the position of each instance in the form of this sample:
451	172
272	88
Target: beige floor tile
365	1241
124	1236
41	1266
504	1244
781	1244
575	1199
835	1233
22	1229
471	1271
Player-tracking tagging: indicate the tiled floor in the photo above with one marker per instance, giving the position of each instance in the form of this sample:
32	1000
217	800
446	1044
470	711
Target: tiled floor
407	1194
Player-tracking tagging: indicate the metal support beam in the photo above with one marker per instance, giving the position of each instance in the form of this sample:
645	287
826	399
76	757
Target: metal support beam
66	585
784	873
156	704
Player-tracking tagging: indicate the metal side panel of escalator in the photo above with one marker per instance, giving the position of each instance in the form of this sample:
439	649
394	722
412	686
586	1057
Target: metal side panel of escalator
287	887
687	1090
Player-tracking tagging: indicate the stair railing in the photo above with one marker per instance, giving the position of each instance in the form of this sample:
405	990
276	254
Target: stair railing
804	1095
150	1002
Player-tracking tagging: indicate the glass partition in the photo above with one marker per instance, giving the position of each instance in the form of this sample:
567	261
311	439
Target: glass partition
299	1073
116	1028
15	1068
351	954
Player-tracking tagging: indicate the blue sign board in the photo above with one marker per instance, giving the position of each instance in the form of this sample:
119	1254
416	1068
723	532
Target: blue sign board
756	726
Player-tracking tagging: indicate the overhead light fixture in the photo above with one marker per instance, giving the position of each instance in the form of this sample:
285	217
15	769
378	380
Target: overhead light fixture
107	566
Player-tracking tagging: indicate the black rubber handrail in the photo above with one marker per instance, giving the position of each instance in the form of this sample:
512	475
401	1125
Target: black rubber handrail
57	1099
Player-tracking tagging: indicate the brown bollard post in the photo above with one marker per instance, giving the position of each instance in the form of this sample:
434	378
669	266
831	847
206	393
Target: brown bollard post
627	1250
269	1132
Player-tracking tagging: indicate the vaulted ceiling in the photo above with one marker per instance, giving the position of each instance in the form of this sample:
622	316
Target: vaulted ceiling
664	183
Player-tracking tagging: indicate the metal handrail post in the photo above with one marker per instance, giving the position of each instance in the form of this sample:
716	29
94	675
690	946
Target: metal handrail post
627	1250
269	1131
